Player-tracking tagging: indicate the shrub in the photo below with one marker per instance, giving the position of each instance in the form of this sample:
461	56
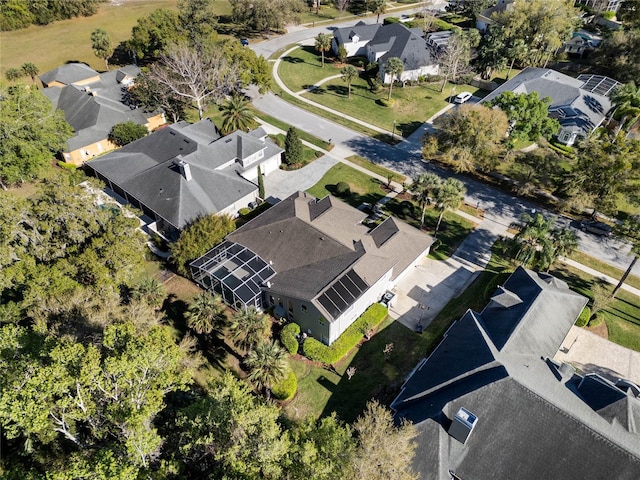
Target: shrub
244	211
390	20
288	337
440	24
342	188
597	320
583	318
386	103
609	15
318	154
127	132
370	319
286	389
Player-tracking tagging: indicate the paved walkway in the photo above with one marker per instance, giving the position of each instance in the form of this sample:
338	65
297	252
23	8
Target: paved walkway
602	276
593	354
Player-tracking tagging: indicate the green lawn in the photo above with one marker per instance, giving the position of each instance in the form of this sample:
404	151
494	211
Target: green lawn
303	68
377	169
321	391
453	229
52	45
308	154
603	267
413	105
622	315
363	187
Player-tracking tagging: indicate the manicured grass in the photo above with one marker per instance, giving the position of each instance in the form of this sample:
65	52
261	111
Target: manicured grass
52	45
321	391
413	105
377	169
303	68
363	187
285	126
605	268
622	315
453	229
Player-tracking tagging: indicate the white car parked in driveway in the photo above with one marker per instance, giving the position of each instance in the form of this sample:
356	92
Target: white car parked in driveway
462	97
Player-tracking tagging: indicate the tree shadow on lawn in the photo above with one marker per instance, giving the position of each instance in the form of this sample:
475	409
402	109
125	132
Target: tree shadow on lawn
290	59
375	377
407	128
355	199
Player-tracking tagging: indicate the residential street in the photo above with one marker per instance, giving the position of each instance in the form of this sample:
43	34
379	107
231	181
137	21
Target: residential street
501	209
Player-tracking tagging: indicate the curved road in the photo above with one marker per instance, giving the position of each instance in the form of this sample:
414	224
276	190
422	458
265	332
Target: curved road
501	209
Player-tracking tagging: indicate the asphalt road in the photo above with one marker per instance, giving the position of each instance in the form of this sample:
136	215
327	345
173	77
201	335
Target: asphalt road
501	209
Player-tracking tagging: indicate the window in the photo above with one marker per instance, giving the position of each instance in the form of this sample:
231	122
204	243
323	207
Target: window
290	306
271	300
303	308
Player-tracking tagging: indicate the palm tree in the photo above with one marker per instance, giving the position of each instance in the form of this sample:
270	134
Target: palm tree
626	101
448	194
423	187
206	313
630	229
323	44
268	365
516	51
13	74
236	114
349	74
150	291
31	70
563	242
102	45
393	67
534	235
248	327
378	7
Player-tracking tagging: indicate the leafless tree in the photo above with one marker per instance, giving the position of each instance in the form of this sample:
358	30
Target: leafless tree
342	5
197	73
388	348
351	371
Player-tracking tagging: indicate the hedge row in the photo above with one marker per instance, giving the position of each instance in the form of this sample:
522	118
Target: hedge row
286	389
370	319
584	317
288	337
597	320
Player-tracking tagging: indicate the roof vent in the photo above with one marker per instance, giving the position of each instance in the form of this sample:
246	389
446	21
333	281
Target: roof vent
462	425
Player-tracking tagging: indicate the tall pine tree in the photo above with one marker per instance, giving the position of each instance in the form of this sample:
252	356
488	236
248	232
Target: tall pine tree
292	147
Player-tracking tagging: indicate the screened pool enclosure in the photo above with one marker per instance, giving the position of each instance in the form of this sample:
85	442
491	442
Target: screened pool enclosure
234	272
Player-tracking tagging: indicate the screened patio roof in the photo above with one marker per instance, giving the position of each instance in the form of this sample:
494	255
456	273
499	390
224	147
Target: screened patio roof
237	268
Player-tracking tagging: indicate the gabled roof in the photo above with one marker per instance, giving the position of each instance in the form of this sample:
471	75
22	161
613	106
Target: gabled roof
536	419
318	247
401	42
68	74
148	170
573	101
362	30
92	109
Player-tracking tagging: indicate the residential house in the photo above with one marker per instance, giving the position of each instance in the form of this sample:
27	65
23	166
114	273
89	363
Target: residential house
603	5
379	43
489	403
485	18
186	170
581	42
313	261
93	103
579	104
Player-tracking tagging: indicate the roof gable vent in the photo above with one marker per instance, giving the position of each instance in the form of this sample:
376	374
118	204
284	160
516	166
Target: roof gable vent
463	424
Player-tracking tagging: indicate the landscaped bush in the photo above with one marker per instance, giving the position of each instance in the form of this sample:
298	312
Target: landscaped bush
318	153
244	211
342	188
286	389
370	319
609	15
597	320
583	318
288	337
386	103
442	25
390	20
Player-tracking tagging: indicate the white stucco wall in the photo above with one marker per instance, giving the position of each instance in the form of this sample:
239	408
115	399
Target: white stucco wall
412	74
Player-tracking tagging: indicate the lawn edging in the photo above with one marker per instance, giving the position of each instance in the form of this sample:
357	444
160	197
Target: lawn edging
369	320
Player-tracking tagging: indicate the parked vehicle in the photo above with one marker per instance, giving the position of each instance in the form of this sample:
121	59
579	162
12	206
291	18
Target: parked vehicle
597	228
462	97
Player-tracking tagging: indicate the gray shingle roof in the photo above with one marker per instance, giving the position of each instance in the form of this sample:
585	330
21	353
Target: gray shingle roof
401	42
68	74
314	242
146	170
362	30
93	109
570	103
533	422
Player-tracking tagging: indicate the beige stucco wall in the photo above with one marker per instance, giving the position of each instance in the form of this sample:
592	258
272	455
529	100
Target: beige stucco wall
86	153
